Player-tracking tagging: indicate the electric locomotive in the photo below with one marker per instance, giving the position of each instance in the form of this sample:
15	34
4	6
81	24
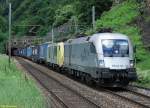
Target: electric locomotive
106	58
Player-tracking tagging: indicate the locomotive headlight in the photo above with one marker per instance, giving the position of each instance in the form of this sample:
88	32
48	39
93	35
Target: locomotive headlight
101	63
131	63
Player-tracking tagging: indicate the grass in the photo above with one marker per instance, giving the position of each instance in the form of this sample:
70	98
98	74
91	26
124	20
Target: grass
15	89
122	18
144	78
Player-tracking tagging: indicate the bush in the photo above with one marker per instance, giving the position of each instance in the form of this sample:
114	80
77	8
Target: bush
63	14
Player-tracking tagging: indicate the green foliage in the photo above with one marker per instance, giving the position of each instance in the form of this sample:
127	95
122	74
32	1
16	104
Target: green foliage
2	47
83	9
3	36
16	89
63	14
19	29
46	13
144	77
119	15
42	31
3	27
3	24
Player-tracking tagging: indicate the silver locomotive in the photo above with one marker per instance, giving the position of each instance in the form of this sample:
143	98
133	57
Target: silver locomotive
106	58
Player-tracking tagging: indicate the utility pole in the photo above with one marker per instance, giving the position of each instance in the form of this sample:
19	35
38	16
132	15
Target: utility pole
93	17
52	34
75	23
9	33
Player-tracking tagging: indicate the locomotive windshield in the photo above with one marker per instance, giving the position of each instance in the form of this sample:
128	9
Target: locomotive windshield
115	48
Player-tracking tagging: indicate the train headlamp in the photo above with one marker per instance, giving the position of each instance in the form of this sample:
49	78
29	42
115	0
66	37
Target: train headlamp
101	63
131	63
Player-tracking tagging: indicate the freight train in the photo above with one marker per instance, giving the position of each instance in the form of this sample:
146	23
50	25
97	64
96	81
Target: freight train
104	58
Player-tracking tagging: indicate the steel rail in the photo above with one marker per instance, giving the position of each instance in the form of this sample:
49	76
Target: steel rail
84	98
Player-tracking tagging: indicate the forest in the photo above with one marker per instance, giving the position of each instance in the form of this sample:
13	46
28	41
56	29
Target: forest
47	13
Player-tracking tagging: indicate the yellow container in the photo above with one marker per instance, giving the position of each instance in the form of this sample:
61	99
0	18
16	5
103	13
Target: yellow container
60	53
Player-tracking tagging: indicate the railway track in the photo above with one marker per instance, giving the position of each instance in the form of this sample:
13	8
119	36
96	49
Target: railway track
139	87
72	98
67	97
145	92
138	97
133	96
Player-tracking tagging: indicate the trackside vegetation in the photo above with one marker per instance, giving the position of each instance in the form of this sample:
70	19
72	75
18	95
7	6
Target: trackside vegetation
15	90
122	18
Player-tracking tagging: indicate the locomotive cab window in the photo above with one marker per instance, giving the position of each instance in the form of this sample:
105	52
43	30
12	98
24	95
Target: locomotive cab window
115	48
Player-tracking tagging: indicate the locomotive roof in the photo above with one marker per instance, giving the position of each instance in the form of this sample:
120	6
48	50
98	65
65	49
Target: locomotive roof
97	36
